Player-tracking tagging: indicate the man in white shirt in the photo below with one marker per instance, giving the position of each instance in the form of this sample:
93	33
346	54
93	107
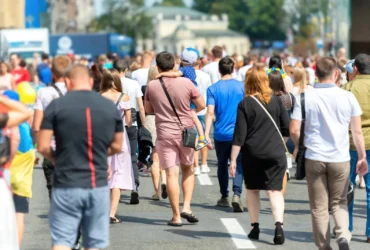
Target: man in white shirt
243	70
141	75
212	68
133	90
329	113
204	81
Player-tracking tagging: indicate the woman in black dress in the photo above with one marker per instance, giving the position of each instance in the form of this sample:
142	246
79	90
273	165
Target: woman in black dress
262	149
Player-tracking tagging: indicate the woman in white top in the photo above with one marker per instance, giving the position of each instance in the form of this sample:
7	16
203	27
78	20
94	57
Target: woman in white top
300	84
6	79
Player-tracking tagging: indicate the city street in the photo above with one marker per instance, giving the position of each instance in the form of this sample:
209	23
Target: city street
144	226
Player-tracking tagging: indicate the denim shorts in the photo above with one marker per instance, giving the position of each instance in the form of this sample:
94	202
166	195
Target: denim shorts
75	207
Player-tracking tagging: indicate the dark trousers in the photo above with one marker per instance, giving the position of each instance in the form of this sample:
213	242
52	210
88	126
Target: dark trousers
223	152
48	168
132	136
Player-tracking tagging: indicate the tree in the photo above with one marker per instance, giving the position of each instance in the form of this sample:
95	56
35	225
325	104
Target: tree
173	3
124	19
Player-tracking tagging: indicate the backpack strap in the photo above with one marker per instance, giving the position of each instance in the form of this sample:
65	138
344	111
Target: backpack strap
119	99
57	89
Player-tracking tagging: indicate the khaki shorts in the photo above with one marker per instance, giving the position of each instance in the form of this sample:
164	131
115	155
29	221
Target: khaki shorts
171	153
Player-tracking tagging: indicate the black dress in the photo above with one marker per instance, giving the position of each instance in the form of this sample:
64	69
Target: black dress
262	149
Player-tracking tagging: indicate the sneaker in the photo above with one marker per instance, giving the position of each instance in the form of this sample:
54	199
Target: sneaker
204	169
223	202
77	247
237	204
134	198
197	171
343	244
201	144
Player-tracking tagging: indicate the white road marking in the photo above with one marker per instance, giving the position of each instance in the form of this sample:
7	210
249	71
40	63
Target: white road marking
237	233
204	180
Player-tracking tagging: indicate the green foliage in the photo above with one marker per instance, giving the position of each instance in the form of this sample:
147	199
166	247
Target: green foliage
260	19
123	19
173	3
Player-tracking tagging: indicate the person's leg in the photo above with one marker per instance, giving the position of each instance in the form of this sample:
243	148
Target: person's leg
204	156
21	205
114	201
353	174
223	154
319	200
155	173
253	205
367	184
132	136
48	168
20	226
188	182
277	204
285	181
174	192
338	181
196	163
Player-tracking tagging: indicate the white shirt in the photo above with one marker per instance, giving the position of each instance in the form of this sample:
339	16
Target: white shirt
141	76
204	81
328	114
46	95
311	75
242	72
212	70
295	90
133	91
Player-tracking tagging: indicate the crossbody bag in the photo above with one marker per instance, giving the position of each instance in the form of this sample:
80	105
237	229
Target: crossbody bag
189	135
288	155
301	159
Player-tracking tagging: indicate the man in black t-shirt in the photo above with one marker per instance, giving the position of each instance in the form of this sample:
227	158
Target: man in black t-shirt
87	128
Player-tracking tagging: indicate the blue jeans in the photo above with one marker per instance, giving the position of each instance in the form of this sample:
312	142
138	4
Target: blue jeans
354	158
223	152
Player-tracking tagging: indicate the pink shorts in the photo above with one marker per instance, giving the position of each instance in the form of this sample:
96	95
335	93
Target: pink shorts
171	153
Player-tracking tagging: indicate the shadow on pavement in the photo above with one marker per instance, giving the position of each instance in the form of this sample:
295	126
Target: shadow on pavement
200	234
292	235
142	220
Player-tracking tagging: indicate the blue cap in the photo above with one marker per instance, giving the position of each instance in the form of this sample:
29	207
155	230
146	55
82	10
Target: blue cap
12	95
349	66
190	55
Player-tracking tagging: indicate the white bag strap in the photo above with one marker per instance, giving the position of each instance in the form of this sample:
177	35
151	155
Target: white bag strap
272	119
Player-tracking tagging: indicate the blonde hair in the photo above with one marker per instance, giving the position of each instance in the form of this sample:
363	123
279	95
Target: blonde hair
257	83
300	79
153	72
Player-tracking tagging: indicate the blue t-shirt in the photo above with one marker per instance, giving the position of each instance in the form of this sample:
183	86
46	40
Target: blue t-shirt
225	95
44	73
189	72
25	143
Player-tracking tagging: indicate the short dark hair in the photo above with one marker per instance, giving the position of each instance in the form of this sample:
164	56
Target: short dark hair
217	51
325	67
165	61
362	63
120	65
44	56
276	82
275	61
226	66
22	63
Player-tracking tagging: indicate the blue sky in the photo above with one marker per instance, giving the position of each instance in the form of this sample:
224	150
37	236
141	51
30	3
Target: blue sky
99	4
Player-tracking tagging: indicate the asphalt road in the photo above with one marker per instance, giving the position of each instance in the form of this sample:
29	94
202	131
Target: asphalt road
144	226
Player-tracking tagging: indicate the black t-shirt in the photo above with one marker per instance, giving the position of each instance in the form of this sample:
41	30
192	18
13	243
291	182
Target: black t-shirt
84	124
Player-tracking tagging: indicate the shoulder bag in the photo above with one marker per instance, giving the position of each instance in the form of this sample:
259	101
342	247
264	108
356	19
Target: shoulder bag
189	135
57	90
288	155
300	160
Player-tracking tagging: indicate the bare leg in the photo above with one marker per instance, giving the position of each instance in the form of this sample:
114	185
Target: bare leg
253	205
285	181
61	248
277	205
174	192
196	159
20	226
188	182
155	172
114	200
163	177
204	154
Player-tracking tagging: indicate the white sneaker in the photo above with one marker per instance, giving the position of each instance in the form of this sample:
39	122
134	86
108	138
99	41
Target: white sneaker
205	169
197	171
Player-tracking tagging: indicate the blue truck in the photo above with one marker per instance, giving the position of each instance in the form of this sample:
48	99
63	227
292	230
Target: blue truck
91	45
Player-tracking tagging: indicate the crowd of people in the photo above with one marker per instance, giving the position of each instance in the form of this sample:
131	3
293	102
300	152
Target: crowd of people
99	125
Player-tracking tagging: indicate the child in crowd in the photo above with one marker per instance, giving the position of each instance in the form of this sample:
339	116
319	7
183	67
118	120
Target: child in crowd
188	57
21	170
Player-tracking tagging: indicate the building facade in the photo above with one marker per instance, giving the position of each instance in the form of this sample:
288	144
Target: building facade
176	28
12	14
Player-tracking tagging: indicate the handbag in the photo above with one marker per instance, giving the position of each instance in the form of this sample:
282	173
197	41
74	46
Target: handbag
289	157
189	135
301	159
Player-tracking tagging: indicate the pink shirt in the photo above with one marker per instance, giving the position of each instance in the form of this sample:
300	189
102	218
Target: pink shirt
182	91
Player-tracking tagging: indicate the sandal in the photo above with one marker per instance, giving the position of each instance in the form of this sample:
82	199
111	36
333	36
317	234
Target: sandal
174	224
190	217
114	220
155	197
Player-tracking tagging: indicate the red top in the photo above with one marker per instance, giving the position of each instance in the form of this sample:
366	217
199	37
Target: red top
21	75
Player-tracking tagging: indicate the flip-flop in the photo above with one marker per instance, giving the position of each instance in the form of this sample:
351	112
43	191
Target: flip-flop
190	217
164	191
155	197
114	220
174	224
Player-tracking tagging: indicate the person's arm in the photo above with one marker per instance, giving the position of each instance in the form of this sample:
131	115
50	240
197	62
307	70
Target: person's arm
172	74
17	112
358	140
284	121
199	104
12	82
295	122
44	144
147	104
14	141
210	113
116	145
140	104
128	117
36	124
